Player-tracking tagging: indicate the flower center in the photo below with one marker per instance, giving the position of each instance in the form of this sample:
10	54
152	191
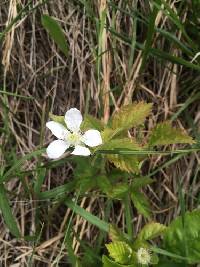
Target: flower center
143	256
74	138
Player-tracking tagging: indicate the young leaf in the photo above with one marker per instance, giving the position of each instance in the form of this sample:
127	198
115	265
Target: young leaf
109	263
10	220
151	230
108	134
165	134
91	122
115	234
56	118
131	115
55	32
121	143
130	164
141	203
178	234
103	183
124	162
119	191
140	182
120	252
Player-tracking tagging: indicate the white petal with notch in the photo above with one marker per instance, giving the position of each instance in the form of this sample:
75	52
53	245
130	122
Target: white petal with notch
92	138
81	151
73	119
57	129
56	149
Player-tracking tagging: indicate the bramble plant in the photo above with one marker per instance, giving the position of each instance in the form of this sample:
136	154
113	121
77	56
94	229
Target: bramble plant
115	147
107	159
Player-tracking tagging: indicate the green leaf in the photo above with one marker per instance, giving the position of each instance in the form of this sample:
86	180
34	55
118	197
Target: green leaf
120	252
109	263
130	164
90	122
10	220
184	240
56	118
18	164
115	233
150	34
123	143
124	162
58	192
55	32
164	134
40	176
103	183
169	264
151	231
102	225
140	182
141	203
131	115
86	178
154	259
119	191
108	134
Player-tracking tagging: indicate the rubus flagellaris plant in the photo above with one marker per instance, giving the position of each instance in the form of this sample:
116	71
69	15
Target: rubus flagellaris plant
113	155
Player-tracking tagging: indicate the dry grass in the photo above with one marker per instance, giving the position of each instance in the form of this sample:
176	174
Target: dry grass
33	67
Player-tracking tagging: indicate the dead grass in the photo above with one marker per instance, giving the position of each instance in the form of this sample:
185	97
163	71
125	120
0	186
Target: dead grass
33	67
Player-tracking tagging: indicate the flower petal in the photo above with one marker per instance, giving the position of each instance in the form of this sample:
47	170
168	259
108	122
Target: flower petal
81	151
57	129
56	149
73	119
92	138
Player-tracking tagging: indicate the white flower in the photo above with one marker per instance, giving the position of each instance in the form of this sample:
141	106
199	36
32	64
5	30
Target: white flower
71	136
144	256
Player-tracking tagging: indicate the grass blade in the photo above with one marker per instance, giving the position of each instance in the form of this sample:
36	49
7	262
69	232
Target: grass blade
102	225
5	208
55	32
150	34
18	164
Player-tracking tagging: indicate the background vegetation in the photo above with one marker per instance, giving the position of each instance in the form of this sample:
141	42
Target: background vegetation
116	52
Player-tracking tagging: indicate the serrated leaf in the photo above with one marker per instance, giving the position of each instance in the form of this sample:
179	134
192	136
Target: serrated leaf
108	134
151	231
131	115
140	182
84	176
128	163
91	122
119	191
120	252
55	32
165	134
115	233
5	208
104	184
109	263
141	203
184	240
123	143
